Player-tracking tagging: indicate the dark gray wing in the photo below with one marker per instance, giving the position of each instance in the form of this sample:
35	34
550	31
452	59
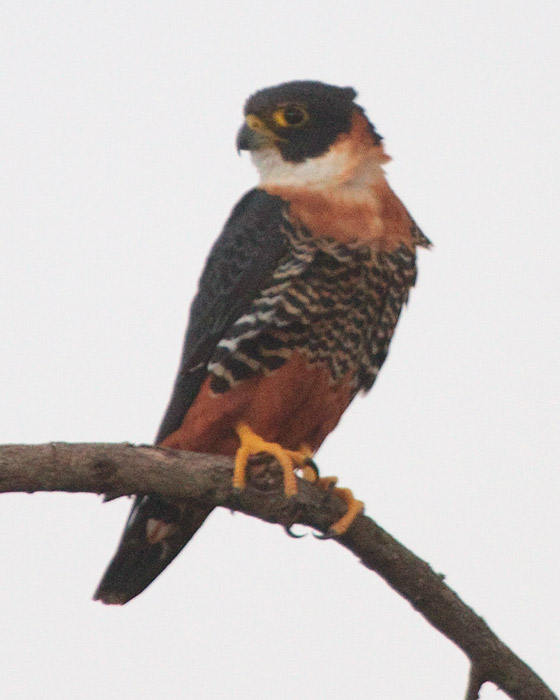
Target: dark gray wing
239	265
241	261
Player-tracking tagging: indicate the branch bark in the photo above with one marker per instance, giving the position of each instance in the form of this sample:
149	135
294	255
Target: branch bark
123	469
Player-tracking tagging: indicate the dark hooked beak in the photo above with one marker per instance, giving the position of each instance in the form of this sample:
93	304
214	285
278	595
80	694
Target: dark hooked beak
243	139
250	140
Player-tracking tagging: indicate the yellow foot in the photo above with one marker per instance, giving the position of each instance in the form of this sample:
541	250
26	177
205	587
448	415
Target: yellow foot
252	444
355	507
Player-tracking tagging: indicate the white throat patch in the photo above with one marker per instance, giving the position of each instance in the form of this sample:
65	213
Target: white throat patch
340	166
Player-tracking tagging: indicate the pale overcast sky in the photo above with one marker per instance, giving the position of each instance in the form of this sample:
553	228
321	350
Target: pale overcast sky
117	131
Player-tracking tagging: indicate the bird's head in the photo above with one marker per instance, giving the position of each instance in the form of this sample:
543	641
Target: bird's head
304	126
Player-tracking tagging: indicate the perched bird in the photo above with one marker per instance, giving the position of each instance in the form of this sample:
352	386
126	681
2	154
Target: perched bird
294	313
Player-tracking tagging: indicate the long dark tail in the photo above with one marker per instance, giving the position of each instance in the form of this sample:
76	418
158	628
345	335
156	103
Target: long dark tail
155	532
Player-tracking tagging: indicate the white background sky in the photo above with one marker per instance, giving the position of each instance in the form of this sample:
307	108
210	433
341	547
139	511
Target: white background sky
117	127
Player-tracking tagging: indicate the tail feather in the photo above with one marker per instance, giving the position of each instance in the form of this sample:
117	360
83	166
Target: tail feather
155	533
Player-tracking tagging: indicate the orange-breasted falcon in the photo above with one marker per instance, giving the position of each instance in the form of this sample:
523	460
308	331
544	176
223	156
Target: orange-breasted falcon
294	313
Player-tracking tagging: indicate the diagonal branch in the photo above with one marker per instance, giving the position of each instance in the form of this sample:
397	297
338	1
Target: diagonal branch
123	469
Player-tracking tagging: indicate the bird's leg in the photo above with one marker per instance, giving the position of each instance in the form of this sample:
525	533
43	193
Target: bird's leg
355	507
310	472
252	444
309	469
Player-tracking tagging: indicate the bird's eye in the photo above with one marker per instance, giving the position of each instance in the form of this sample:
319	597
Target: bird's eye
290	116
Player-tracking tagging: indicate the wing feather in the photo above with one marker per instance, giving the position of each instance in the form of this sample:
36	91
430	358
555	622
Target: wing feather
240	263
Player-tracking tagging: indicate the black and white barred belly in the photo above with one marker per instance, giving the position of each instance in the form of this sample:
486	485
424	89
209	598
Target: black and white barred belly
337	304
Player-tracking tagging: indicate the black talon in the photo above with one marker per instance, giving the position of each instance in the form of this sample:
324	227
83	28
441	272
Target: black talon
312	465
329	535
288	530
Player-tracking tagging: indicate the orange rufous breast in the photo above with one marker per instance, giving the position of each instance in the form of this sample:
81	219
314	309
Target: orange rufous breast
379	220
352	201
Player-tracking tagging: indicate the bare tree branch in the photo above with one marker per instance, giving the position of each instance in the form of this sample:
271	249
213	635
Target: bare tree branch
123	469
476	681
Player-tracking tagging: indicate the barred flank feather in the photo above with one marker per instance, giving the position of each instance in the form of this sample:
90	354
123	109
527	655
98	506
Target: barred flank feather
338	304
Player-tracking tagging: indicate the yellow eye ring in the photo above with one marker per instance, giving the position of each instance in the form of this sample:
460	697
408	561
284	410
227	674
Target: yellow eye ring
290	116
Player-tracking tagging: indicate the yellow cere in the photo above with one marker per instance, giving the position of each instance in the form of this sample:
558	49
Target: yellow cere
253	122
257	124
